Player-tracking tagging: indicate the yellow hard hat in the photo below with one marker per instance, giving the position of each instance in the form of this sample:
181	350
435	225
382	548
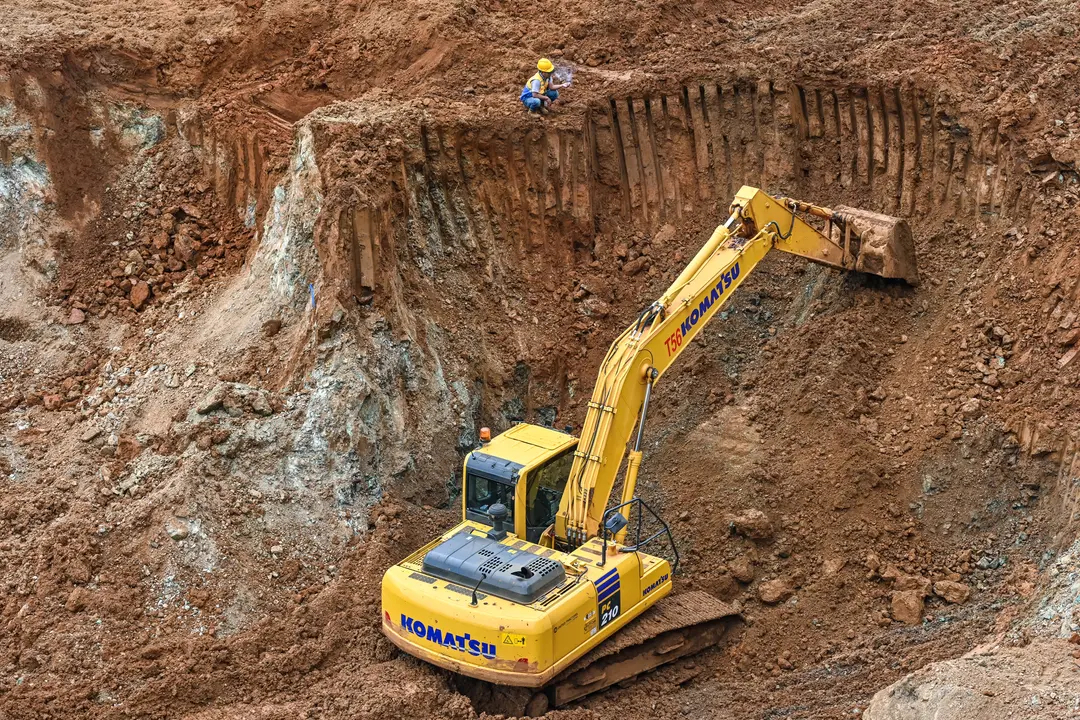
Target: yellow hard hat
545	65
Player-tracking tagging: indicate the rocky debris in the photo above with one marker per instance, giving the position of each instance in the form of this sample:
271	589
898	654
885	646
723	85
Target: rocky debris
52	402
177	528
76	317
259	402
272	327
140	293
212	400
773	591
953	592
989	563
634	267
970	407
76	600
742	569
1034	682
235	399
595	307
664	236
908	606
90	433
169	247
753	524
832	566
902	582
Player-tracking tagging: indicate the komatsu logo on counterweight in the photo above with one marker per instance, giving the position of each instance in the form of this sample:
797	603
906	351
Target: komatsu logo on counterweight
662	579
461	643
707	302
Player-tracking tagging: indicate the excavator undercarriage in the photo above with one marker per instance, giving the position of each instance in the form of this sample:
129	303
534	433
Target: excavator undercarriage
678	626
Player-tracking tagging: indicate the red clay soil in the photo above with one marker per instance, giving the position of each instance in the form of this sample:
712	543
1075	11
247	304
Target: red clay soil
837	453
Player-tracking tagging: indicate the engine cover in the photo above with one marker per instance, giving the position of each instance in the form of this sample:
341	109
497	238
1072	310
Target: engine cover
492	567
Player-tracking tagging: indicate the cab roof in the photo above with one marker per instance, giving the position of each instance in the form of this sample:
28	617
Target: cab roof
527	444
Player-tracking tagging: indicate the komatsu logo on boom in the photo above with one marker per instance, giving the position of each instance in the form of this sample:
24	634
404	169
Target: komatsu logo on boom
707	302
461	643
674	341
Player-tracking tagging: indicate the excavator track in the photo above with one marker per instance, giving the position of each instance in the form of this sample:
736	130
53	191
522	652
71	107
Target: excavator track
677	626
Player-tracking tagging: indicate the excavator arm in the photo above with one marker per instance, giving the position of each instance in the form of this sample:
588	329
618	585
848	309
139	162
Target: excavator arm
500	598
849	239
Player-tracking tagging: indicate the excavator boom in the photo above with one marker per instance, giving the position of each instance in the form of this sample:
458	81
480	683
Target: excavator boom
850	240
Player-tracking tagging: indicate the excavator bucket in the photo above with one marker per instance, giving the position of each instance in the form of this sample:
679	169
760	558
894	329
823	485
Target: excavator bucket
881	244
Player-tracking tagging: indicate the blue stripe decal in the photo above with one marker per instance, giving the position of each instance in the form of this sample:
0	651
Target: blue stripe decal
610	575
604	584
607	593
607	586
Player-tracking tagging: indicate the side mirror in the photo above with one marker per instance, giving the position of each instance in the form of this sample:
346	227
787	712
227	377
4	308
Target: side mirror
616	523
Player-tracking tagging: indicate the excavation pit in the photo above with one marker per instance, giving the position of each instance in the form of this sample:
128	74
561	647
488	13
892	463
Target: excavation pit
876	472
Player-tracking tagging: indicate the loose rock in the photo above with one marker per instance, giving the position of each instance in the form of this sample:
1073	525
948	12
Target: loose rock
213	400
742	569
260	404
76	600
774	591
907	607
914	583
953	592
753	524
140	293
177	528
633	267
595	307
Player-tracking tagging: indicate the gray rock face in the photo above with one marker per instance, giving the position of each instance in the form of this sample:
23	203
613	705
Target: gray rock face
1036	682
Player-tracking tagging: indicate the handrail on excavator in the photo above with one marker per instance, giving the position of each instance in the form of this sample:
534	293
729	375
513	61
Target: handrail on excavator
638	542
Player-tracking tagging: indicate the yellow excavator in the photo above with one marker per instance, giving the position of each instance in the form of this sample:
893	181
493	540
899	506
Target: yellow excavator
544	585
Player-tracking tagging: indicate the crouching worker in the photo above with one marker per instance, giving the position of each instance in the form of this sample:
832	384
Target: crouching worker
540	91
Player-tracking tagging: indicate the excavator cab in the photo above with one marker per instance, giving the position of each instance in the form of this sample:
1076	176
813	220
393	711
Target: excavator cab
525	469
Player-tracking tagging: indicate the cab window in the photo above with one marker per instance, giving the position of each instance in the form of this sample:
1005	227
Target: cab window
545	488
482	492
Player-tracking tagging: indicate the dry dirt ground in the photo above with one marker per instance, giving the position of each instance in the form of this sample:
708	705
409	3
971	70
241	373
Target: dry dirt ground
268	266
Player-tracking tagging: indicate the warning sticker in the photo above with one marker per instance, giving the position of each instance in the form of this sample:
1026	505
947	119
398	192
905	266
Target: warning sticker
513	639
